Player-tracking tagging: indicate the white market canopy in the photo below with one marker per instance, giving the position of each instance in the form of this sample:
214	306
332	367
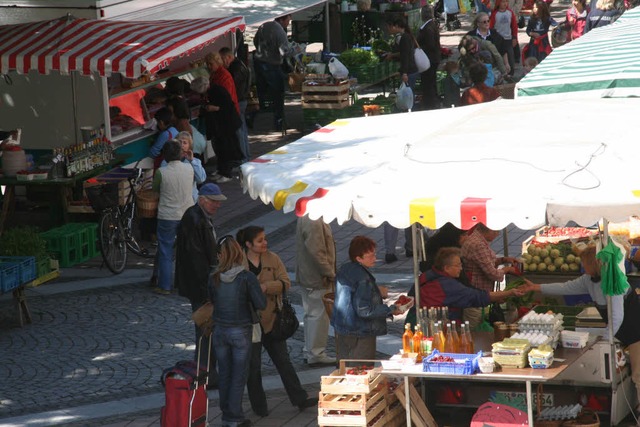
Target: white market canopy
528	162
605	62
131	48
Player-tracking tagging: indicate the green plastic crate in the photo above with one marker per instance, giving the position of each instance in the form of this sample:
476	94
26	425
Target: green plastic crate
72	243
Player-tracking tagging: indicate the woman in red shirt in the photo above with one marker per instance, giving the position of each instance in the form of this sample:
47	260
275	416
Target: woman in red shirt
219	75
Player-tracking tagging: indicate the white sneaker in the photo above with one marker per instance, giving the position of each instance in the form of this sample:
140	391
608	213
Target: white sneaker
222	179
323	359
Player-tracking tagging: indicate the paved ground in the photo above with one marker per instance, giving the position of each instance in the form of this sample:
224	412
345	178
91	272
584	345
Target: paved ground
98	344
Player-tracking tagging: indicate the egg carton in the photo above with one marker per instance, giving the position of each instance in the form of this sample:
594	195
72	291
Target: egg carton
538	338
567	412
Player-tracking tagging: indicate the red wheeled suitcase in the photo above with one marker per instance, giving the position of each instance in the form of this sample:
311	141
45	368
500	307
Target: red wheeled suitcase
185	391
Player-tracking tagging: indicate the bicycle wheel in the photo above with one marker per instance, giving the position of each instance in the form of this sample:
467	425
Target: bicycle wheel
112	243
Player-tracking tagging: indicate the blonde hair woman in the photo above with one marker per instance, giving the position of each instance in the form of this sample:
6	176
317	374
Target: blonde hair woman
604	13
234	292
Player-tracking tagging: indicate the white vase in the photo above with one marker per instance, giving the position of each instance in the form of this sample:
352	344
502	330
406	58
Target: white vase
344	6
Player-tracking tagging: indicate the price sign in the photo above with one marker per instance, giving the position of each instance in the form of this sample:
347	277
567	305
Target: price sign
517	397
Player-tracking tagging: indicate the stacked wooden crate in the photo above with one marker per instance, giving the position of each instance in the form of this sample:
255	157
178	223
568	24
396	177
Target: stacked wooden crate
325	95
355	400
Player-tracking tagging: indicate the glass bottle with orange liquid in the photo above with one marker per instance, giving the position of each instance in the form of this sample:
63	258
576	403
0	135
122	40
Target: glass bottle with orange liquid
407	339
464	340
456	338
449	343
469	338
417	343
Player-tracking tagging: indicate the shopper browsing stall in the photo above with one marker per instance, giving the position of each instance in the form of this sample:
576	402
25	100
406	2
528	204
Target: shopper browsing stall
359	314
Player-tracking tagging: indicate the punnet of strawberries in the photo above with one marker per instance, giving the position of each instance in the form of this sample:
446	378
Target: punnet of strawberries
11	147
358	370
403	300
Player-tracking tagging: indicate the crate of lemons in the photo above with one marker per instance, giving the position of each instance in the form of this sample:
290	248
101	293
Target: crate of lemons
551	258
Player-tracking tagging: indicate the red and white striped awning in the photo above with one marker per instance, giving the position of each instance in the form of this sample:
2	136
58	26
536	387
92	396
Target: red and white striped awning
102	46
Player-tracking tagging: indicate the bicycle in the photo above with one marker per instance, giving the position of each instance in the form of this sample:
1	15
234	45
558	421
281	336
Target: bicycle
115	229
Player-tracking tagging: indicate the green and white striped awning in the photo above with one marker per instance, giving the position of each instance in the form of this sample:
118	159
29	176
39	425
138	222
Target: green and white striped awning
605	62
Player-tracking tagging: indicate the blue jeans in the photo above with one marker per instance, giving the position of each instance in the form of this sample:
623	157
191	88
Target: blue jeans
166	234
273	77
391	239
233	351
243	132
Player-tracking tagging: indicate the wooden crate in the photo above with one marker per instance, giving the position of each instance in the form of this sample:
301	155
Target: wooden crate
340	383
396	415
353	409
325	96
420	415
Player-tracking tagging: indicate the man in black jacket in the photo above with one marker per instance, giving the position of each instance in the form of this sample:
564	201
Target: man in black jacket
429	40
196	258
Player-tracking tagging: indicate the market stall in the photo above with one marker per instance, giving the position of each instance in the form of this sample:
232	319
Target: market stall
470	165
602	63
64	74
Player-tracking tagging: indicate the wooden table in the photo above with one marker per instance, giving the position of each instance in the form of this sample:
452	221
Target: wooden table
524	375
60	189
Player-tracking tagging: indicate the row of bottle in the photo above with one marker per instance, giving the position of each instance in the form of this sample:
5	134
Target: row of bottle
79	158
445	340
427	317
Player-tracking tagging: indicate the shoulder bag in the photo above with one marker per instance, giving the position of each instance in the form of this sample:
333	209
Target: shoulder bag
286	323
203	318
421	59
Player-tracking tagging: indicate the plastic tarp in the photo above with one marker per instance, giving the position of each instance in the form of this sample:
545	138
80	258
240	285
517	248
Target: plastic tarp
527	162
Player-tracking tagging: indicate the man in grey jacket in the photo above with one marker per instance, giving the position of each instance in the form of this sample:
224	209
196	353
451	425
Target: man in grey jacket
272	46
315	273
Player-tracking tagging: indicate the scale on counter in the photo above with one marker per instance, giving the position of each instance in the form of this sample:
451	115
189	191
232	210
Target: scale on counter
590	318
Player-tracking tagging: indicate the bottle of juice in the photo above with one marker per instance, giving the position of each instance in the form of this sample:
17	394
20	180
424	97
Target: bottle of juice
464	341
456	338
417	343
469	338
435	345
442	337
449	343
407	339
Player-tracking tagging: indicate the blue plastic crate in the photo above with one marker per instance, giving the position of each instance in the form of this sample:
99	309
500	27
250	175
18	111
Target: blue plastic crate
26	266
463	364
9	277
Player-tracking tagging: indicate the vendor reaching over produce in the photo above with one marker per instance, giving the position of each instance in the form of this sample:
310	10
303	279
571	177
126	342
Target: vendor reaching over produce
587	283
444	289
625	309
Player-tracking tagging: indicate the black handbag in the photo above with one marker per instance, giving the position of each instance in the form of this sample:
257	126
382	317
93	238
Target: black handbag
286	323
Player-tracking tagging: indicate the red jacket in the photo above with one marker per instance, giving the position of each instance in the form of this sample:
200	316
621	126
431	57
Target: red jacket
224	78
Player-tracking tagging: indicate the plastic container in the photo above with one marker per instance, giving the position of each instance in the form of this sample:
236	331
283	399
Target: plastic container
26	267
12	162
463	364
486	365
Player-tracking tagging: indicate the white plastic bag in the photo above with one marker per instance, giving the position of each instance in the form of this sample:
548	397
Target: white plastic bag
421	59
404	97
337	69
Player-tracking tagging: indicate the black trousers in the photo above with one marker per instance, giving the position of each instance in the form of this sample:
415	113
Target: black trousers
279	354
430	98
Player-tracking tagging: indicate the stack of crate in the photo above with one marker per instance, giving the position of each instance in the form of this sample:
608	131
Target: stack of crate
72	243
331	96
356	400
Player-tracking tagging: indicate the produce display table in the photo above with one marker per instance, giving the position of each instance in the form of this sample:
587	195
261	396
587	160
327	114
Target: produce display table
524	375
60	190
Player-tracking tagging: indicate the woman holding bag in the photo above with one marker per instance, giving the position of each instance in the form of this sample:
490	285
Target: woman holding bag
272	275
403	50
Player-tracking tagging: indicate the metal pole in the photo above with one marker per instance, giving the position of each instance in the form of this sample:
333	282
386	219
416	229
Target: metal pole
74	102
612	359
416	270
327	29
505	242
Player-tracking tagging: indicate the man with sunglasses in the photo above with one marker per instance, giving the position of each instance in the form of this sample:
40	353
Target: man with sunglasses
196	258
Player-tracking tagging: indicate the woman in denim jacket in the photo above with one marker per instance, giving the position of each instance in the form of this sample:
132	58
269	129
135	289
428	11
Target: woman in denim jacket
234	292
359	315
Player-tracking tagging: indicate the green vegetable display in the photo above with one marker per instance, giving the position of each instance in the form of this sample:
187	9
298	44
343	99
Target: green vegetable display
23	241
358	57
